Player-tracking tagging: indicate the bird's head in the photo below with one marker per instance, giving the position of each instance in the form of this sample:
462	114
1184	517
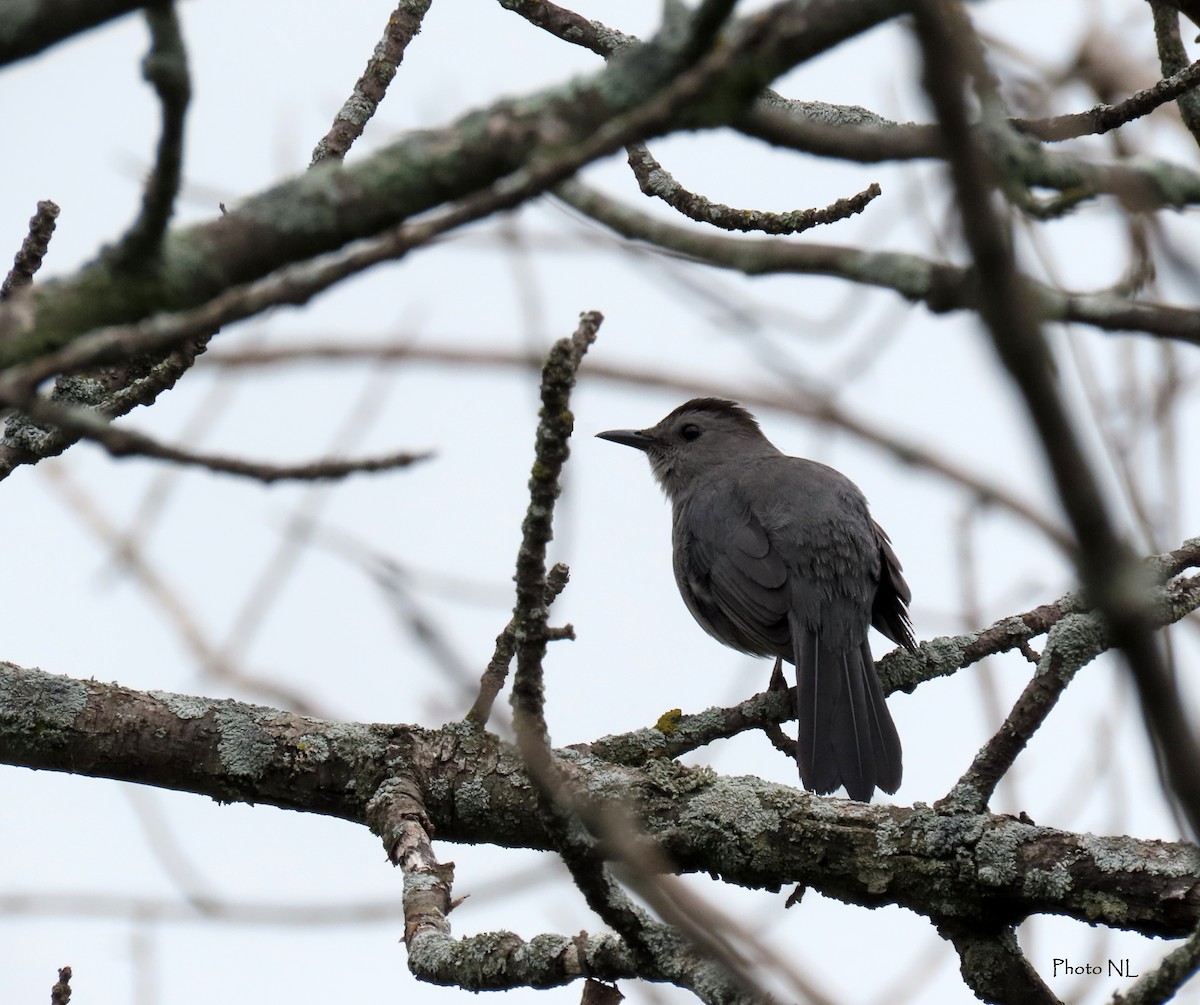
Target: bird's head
695	438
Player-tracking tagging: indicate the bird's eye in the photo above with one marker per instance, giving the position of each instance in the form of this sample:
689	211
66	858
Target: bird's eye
690	432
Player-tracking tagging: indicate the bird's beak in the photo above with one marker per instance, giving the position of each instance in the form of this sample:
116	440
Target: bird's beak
637	438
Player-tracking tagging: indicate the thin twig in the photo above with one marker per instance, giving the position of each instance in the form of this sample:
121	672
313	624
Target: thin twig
655	181
1103	118
33	249
60	994
1072	643
166	69
531	612
403	25
492	681
106	391
83	423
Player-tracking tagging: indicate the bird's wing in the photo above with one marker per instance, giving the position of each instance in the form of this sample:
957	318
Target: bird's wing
889	610
732	579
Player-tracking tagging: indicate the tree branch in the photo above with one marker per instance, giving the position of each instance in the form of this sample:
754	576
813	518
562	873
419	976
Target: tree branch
1163	982
26	431
166	69
33	249
403	26
986	868
993	966
655	181
492	681
31	28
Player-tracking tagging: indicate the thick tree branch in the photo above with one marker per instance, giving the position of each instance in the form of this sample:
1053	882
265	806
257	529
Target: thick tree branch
993	966
984	868
298	283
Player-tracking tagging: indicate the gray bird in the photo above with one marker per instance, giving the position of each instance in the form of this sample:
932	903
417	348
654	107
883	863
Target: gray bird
778	556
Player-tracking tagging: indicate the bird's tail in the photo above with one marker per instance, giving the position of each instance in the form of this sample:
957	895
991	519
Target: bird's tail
846	735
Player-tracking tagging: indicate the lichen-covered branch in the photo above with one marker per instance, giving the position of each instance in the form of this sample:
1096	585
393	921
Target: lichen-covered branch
1163	982
975	866
28	258
403	25
993	966
655	181
555	424
496	673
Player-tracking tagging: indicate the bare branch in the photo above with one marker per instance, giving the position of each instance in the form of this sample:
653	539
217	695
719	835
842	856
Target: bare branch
60	994
83	423
33	249
1104	118
492	681
676	734
32	27
166	69
402	27
706	822
531	612
993	965
1173	58
654	180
